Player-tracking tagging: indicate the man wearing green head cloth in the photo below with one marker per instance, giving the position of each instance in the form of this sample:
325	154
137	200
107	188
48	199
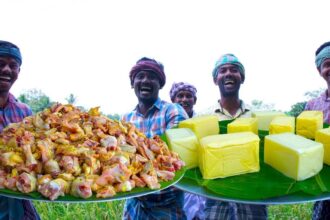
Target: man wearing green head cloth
228	75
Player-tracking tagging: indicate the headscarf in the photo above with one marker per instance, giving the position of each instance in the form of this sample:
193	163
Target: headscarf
147	64
10	49
321	56
228	59
176	87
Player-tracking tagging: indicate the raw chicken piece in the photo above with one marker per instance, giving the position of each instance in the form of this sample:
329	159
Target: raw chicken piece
26	183
54	188
81	188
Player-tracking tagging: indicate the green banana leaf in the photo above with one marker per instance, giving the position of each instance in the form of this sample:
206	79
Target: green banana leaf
263	185
136	192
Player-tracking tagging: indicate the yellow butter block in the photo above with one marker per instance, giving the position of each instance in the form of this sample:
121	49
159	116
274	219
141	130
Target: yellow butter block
308	122
243	124
265	117
185	143
282	124
202	125
226	155
323	136
293	155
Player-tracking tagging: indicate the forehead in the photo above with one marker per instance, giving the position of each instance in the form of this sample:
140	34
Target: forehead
8	59
184	92
228	65
146	73
326	61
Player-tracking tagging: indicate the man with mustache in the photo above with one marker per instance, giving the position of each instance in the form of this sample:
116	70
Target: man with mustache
185	94
153	116
322	103
228	75
12	111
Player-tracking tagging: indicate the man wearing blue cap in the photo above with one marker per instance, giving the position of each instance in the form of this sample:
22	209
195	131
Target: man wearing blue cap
12	111
228	75
321	209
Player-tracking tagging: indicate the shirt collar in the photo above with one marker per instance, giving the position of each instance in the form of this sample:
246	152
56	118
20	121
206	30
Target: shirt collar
11	98
242	109
157	104
325	96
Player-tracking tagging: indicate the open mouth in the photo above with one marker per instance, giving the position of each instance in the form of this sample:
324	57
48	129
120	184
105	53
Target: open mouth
185	105
5	78
229	83
146	89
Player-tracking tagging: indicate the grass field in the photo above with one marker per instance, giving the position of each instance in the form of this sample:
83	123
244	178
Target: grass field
113	211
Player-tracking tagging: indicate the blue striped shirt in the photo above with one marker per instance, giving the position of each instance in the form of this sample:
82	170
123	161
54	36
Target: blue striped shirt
168	203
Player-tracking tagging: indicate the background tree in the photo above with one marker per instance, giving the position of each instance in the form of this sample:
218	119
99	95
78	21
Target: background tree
258	105
36	99
71	99
114	116
297	108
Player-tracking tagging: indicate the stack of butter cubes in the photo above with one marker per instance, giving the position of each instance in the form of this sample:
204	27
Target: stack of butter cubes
323	136
289	148
265	118
293	155
308	123
217	155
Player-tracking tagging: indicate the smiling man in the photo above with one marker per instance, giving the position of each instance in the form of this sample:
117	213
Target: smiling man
184	94
322	103
153	116
12	111
229	75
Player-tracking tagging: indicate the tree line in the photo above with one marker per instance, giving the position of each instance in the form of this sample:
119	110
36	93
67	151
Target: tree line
38	101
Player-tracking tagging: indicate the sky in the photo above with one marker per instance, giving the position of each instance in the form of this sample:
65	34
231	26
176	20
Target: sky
87	47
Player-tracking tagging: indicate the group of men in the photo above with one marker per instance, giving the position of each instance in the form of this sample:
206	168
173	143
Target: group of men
153	116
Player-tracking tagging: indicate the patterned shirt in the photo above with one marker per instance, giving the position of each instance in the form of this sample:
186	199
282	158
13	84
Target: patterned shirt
13	112
321	103
216	209
321	209
168	203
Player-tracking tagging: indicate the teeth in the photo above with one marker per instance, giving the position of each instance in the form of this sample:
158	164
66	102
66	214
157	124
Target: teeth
146	88
5	77
229	82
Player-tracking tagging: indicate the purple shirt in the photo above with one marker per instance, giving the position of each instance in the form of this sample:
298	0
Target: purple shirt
321	103
13	112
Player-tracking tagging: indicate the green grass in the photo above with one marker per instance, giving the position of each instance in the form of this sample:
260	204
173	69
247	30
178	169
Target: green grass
297	211
77	211
114	210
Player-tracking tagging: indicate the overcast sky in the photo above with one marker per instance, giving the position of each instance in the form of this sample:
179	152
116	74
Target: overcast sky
87	47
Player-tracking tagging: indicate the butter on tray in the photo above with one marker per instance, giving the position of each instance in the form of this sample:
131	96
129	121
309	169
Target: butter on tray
282	124
202	125
243	124
226	155
293	155
308	122
323	136
265	117
184	142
